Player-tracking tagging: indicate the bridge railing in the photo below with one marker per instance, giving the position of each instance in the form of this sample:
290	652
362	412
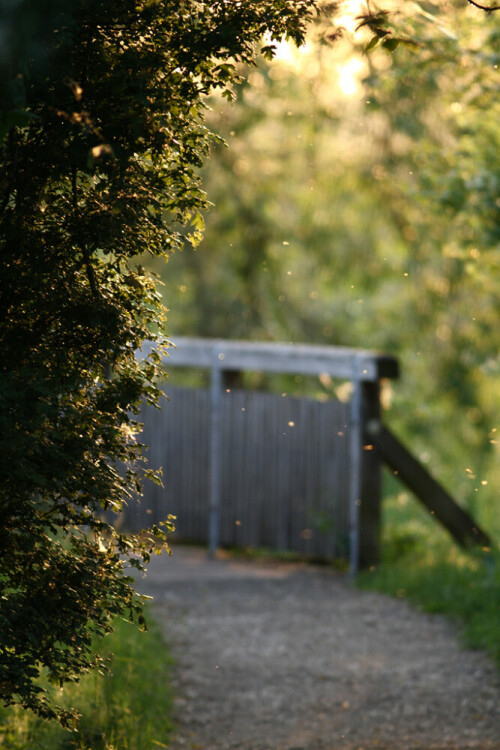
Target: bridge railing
253	469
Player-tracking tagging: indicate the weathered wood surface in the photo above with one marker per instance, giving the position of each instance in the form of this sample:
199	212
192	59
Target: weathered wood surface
305	359
284	470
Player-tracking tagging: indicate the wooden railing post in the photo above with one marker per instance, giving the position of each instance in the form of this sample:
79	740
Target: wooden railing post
355	450
365	482
370	479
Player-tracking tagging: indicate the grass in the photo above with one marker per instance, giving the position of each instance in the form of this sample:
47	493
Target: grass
420	562
128	709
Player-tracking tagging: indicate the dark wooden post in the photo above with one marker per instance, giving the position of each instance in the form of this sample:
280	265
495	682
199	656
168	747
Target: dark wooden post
370	479
365	492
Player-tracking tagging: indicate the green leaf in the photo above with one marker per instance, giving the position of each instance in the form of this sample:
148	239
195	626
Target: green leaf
372	43
391	44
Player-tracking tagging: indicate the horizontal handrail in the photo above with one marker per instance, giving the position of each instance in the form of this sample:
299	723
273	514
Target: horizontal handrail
300	359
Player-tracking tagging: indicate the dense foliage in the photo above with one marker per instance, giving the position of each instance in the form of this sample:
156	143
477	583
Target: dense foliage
101	127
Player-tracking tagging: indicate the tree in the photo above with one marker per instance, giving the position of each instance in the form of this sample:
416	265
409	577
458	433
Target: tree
102	131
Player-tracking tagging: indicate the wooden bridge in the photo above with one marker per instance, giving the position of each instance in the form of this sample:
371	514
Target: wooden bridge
252	469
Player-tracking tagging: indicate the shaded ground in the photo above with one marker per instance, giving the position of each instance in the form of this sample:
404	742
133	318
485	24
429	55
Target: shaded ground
277	656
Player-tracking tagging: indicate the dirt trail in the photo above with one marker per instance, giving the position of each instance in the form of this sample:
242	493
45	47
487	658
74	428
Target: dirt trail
275	656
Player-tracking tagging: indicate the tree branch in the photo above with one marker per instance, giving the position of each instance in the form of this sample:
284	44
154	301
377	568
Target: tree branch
86	255
483	7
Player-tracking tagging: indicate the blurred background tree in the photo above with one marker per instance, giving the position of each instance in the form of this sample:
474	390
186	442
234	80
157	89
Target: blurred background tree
357	204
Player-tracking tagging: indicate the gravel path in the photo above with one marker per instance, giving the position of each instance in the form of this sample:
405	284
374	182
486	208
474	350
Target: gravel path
274	656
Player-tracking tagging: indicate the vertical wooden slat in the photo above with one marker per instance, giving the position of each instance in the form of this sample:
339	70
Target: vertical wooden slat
280	509
255	506
344	472
215	460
